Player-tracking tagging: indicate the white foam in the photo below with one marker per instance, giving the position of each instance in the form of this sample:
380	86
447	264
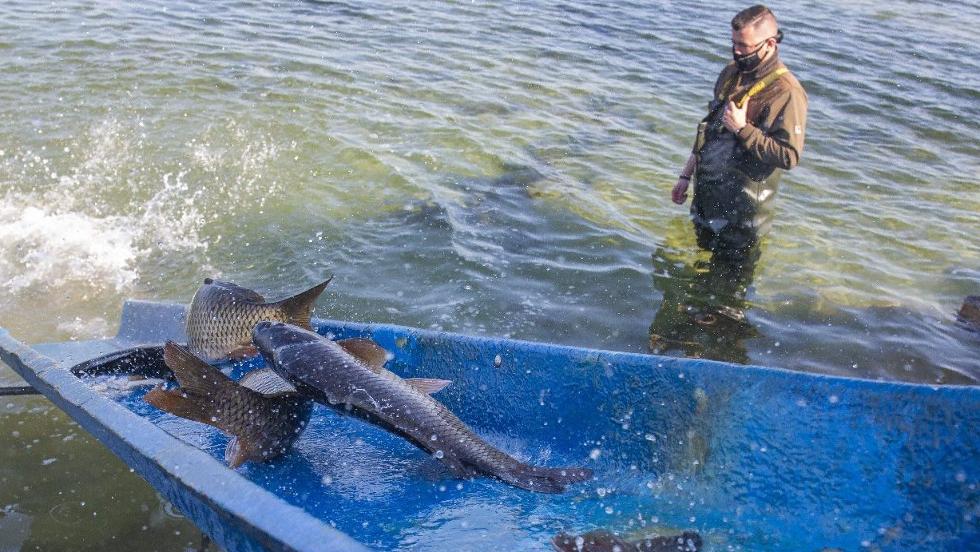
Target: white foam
44	246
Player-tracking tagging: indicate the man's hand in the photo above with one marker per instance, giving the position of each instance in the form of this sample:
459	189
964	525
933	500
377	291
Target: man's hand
734	118
679	194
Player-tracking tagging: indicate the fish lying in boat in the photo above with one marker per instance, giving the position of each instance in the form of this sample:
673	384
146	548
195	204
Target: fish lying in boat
331	375
601	540
262	412
218	327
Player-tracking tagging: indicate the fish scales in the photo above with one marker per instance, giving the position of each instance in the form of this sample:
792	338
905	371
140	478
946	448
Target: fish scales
264	418
221	317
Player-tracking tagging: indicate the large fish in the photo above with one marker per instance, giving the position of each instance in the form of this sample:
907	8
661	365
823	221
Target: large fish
331	375
218	327
221	317
262	412
601	540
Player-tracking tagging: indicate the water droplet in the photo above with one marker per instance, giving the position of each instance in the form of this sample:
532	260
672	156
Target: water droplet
595	454
438	454
497	361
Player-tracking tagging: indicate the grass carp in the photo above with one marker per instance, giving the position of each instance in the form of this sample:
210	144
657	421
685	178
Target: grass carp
356	384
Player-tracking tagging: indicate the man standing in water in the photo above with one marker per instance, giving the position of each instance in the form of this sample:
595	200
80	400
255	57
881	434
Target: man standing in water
753	131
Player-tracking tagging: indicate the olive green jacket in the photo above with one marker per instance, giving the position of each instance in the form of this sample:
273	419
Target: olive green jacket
737	174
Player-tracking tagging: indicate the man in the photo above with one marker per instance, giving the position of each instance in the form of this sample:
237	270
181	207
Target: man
753	131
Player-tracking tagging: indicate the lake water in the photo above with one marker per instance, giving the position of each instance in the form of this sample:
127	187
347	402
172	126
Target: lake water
498	169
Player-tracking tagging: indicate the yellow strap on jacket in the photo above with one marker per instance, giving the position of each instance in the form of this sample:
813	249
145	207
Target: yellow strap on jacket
757	87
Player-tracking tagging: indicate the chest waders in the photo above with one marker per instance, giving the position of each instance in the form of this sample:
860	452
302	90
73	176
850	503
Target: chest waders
733	191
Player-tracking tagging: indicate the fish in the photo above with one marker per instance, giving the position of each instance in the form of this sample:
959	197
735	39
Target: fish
358	386
221	316
602	540
262	412
218	326
969	314
143	360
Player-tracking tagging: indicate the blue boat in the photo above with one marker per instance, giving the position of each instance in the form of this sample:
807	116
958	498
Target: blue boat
751	458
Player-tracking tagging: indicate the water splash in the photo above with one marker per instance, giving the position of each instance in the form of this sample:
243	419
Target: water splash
93	212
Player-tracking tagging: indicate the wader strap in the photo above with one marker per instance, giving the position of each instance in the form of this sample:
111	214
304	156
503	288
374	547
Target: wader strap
757	87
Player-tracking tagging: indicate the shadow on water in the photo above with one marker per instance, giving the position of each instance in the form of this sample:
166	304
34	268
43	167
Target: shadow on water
702	314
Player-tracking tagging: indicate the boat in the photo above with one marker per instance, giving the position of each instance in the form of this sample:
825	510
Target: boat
752	458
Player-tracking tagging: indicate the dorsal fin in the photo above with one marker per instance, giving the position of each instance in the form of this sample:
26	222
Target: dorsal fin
299	307
374	357
193	374
266	382
367	351
239	292
427	385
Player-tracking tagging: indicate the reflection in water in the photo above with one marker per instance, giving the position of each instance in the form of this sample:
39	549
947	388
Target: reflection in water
703	310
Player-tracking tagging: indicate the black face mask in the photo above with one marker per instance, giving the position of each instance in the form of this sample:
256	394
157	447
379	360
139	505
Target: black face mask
748	62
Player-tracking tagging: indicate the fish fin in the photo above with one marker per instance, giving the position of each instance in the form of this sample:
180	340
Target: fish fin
266	382
238	291
542	480
197	409
195	376
427	385
235	453
243	352
299	307
367	351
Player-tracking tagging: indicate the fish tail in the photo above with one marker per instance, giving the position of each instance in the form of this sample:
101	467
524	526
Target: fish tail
200	386
180	404
195	376
299	307
544	480
535	478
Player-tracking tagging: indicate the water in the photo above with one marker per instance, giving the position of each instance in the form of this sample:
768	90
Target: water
481	168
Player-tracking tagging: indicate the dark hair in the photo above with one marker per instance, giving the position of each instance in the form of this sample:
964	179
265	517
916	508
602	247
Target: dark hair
750	17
